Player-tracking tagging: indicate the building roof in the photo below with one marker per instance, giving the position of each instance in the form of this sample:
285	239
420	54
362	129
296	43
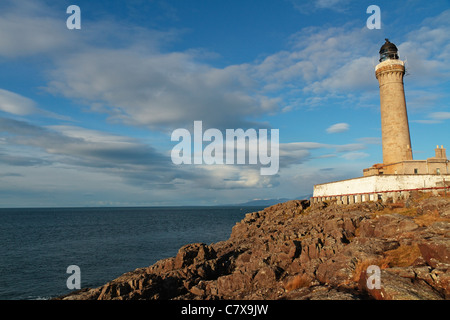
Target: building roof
388	47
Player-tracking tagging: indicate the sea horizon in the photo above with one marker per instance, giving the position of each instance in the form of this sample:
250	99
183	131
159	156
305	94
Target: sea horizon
38	244
131	207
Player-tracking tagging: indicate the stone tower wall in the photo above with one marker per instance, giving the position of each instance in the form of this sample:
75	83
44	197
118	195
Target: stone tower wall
394	119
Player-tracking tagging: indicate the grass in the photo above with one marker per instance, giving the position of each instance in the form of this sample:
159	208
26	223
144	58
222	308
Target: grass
299	281
403	256
362	266
420	195
429	218
399	208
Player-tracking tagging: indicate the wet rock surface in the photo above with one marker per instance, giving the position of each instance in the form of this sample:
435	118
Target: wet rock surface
294	251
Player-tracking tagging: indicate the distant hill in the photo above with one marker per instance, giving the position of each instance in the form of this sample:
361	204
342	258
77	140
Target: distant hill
271	202
263	202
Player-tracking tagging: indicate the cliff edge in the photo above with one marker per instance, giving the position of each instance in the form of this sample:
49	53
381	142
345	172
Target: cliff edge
294	251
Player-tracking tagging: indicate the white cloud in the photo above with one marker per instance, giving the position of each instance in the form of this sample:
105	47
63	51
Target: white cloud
134	82
139	84
355	155
30	28
356	74
426	121
16	104
138	164
349	147
90	149
230	177
440	115
434	117
307	6
323	65
370	140
135	163
296	153
160	90
338	127
337	64
427	51
331	4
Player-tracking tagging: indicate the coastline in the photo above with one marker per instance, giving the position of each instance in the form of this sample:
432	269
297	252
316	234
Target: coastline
291	251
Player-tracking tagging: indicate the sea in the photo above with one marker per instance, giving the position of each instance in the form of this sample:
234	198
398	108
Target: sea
38	245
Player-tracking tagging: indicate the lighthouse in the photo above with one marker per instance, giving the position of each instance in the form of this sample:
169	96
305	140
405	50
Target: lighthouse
399	173
395	135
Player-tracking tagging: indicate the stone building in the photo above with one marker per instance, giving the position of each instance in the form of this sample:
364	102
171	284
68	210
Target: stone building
399	173
436	165
397	152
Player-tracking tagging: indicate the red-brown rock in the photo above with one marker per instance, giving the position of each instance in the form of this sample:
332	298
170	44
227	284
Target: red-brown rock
331	246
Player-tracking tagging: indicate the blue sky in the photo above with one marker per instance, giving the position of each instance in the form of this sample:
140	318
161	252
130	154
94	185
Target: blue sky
86	115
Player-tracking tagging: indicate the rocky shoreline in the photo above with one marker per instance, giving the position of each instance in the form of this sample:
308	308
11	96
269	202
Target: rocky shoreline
294	251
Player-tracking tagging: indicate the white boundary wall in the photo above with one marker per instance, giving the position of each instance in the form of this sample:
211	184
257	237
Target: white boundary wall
381	183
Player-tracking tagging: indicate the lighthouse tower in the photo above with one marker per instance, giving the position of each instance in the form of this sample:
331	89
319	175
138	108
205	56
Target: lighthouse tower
399	173
394	118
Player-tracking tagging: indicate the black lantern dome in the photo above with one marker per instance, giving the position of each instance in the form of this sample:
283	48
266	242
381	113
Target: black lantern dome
388	51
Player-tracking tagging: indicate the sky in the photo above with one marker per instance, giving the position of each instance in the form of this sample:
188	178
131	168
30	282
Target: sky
86	115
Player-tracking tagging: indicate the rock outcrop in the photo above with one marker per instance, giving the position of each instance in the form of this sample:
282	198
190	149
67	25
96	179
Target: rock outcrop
293	251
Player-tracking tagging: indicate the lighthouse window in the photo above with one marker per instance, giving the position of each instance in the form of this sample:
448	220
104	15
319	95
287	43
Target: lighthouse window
384	56
438	171
416	171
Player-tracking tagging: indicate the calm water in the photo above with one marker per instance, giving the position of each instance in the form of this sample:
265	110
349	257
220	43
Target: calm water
37	245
